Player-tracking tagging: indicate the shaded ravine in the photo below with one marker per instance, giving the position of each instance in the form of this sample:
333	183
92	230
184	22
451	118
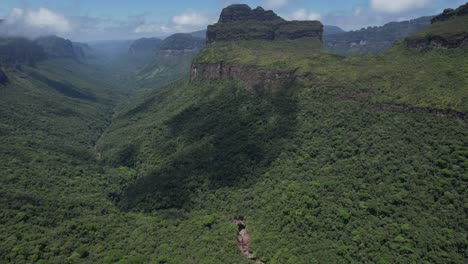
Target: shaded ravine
243	240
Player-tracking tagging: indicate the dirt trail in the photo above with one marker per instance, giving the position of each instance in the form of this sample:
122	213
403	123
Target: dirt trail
243	241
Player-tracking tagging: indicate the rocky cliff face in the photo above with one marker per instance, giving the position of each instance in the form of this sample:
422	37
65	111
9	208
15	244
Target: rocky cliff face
180	46
250	76
438	42
240	22
240	12
450	13
448	30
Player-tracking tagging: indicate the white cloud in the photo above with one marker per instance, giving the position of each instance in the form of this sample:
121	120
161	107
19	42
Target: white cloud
152	28
398	6
275	3
190	19
34	22
303	14
44	18
181	23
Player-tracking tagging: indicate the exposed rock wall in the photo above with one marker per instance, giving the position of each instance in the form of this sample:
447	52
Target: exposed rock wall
240	12
250	76
437	41
240	22
450	13
452	36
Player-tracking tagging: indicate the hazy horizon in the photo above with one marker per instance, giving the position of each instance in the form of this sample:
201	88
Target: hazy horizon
88	21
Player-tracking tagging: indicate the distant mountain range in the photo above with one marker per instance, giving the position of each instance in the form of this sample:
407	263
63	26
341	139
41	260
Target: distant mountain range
15	51
373	39
329	30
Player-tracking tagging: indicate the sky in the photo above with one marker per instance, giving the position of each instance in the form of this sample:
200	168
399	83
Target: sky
90	20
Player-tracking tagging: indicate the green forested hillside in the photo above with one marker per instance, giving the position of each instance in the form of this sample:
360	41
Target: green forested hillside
363	159
57	198
357	159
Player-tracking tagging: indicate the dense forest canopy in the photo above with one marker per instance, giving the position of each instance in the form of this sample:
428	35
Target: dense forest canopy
258	147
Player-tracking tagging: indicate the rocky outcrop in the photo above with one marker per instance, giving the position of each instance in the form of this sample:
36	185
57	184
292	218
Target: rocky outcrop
251	77
438	42
448	30
243	240
450	13
240	22
240	12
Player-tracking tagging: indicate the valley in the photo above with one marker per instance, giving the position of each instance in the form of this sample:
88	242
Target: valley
252	145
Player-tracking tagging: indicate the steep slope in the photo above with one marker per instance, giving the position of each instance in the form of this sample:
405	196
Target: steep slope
448	30
56	196
56	47
20	51
346	159
83	51
172	60
373	39
320	158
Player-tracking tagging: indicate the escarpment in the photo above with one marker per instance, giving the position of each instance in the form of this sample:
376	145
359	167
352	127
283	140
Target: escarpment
241	23
56	47
450	13
180	45
448	30
438	41
20	51
251	77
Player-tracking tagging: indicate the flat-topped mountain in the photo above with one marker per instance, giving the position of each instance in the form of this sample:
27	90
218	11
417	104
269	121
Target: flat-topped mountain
241	12
172	59
447	30
182	41
240	22
450	13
